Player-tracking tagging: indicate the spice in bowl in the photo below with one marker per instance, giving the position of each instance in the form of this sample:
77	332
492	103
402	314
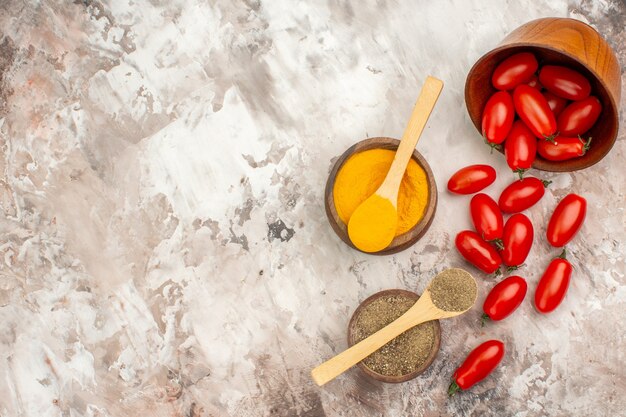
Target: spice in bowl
453	290
362	174
403	355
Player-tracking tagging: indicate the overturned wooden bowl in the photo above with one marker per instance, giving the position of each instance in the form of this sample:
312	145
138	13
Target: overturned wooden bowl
559	41
389	378
403	241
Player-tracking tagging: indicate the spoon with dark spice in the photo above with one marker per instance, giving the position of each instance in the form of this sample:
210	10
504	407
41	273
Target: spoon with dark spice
449	294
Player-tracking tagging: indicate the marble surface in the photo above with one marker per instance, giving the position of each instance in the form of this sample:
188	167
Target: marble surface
164	247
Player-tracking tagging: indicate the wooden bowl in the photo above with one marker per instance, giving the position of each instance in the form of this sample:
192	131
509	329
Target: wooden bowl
565	42
403	241
388	378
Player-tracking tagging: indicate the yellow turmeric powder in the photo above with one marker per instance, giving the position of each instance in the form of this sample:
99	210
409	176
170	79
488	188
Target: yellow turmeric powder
361	175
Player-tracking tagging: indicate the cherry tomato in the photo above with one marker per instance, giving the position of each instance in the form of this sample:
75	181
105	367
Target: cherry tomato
562	148
471	179
504	298
520	148
534	110
517	239
498	117
579	117
553	285
477	366
564	82
514	70
566	221
486	217
533	81
478	252
522	194
556	103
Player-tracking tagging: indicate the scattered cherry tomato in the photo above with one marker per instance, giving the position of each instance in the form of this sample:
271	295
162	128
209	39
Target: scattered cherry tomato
514	70
486	217
517	239
520	148
533	81
498	117
553	284
478	252
579	117
562	148
504	298
564	82
534	110
522	194
471	179
566	221
477	366
556	103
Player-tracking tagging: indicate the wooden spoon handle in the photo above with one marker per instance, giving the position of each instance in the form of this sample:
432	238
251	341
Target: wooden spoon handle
350	357
421	112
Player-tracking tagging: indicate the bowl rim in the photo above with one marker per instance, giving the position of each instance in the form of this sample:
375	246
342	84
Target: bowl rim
539	163
390	378
411	236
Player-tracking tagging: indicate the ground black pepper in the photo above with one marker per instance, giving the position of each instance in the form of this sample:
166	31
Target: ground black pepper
453	290
405	353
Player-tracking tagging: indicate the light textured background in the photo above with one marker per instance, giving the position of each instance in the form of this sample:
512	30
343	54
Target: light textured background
164	248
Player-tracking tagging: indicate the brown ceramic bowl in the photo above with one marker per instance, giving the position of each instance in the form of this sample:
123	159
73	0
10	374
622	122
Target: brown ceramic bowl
403	241
565	42
387	378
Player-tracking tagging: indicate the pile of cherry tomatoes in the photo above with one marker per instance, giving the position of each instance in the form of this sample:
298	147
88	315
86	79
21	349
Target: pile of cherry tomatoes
496	246
554	106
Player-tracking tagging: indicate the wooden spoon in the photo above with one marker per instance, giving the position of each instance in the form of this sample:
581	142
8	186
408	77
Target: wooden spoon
373	224
422	311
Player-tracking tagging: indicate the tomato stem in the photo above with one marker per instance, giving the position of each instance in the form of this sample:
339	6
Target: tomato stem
453	389
562	255
551	137
520	172
492	145
484	319
497	273
513	268
586	145
546	183
497	242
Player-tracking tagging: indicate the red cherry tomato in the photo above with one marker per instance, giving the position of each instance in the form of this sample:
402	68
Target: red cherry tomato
517	239
564	82
478	252
520	148
566	221
514	70
471	179
498	117
533	81
504	298
534	110
522	194
579	117
477	366
562	148
556	103
553	285
486	217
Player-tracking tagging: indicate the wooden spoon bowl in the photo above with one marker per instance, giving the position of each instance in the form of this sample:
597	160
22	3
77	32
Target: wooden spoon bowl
390	378
559	41
404	240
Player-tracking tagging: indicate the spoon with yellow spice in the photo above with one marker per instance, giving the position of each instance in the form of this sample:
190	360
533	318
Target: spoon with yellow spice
373	224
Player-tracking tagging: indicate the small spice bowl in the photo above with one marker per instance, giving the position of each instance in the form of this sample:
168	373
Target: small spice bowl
404	240
558	41
390	378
